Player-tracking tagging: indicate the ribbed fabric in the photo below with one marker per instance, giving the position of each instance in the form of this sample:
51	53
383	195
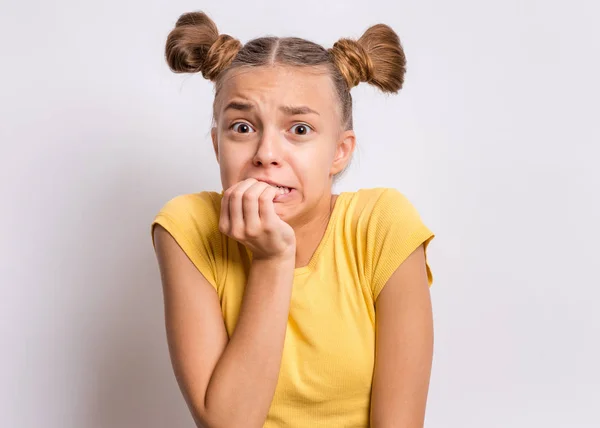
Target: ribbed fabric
329	349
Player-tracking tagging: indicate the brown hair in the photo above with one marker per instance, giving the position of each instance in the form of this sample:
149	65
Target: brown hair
377	57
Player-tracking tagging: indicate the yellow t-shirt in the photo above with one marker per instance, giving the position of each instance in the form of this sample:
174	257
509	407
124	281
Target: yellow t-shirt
328	355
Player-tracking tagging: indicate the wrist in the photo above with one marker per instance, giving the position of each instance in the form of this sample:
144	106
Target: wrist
284	258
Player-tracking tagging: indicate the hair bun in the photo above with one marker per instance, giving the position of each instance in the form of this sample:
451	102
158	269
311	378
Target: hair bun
194	45
376	58
353	61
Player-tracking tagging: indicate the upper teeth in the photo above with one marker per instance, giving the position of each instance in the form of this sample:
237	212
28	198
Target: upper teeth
282	190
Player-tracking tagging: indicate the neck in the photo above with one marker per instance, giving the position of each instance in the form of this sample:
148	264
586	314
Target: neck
310	232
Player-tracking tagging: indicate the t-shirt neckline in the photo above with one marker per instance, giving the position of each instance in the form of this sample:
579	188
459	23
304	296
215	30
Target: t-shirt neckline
337	206
325	239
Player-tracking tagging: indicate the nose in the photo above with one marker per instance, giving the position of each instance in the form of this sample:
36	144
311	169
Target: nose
269	150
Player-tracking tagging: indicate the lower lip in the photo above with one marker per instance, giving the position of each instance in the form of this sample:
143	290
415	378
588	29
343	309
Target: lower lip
284	197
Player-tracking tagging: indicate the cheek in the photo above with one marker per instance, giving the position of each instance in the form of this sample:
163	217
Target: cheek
321	157
314	167
231	165
233	155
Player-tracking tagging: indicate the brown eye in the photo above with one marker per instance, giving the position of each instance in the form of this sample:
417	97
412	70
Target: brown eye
302	129
242	128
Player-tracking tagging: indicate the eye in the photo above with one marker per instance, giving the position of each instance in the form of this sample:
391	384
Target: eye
242	128
303	129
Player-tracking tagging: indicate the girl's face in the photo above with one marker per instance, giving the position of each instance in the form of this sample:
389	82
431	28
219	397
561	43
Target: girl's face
283	125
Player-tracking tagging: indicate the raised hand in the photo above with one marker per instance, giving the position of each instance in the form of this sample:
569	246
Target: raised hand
248	216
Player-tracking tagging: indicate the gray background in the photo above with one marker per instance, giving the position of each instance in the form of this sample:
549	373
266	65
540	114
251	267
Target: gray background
494	138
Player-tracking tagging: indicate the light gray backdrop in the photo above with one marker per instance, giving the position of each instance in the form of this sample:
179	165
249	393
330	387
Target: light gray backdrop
494	138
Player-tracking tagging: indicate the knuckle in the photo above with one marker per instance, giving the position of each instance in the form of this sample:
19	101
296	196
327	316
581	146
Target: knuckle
247	197
253	232
268	228
265	197
237	234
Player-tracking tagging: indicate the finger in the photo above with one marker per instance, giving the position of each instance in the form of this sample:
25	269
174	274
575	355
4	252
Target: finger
224	223
250	207
236	213
224	218
267	207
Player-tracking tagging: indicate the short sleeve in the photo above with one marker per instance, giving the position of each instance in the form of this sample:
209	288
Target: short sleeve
394	231
193	221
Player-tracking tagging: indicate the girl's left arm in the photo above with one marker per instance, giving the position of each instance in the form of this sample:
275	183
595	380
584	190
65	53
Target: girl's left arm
404	347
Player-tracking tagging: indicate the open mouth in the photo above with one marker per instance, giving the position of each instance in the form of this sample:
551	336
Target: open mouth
282	190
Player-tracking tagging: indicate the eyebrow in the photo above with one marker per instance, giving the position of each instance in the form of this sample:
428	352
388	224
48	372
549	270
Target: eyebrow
294	110
238	105
290	110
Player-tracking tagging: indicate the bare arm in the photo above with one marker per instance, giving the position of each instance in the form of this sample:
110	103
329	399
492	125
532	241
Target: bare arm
224	382
231	382
404	347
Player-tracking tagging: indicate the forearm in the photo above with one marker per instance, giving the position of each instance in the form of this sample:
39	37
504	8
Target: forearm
243	383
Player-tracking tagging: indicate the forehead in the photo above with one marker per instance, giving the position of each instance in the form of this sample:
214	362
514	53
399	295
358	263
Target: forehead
281	85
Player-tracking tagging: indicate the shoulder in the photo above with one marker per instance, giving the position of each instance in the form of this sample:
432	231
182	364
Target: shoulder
390	229
193	211
386	209
202	204
193	222
385	202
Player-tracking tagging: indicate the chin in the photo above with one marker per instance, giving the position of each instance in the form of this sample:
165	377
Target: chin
282	213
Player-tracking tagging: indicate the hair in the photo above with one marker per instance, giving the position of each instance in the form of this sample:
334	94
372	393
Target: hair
377	57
